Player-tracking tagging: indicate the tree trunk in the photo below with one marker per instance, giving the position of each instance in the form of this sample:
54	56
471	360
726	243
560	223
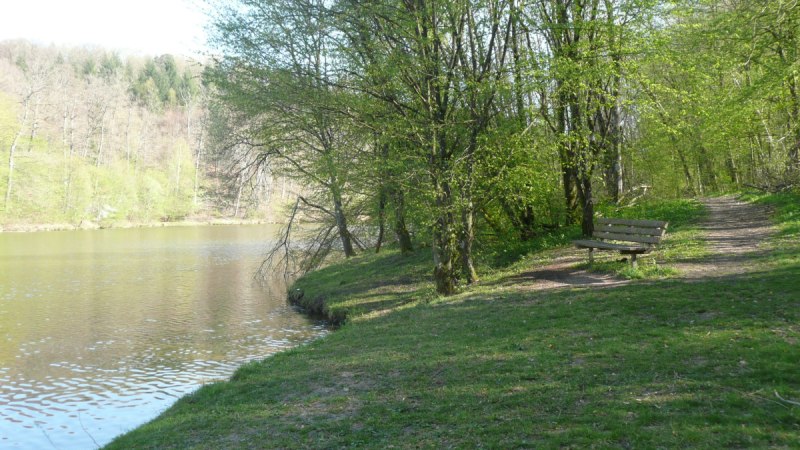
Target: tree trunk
794	114
64	117
128	136
444	251
12	150
443	273
566	156
587	204
707	174
400	229
239	188
34	123
733	171
197	159
684	165
68	165
341	224
102	141
382	197
467	237
613	151
10	177
517	69
614	127
467	232
178	170
443	233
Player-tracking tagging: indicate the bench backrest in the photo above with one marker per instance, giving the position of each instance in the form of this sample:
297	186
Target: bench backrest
647	232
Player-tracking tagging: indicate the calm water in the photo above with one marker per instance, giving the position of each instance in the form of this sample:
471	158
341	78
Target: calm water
102	330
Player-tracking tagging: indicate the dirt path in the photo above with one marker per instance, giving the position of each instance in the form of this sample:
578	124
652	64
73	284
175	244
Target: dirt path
734	230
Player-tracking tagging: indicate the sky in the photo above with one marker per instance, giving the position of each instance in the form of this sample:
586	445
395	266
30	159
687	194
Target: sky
145	27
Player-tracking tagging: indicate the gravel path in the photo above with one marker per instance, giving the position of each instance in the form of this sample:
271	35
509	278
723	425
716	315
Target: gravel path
734	231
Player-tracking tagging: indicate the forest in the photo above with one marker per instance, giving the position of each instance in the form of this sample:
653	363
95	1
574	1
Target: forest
455	124
89	136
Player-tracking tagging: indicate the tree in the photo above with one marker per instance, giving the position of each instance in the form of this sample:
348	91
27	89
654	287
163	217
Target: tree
88	117
37	71
719	95
584	57
277	77
436	66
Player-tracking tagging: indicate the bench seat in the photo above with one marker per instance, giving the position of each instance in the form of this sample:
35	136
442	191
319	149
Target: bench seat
622	248
629	237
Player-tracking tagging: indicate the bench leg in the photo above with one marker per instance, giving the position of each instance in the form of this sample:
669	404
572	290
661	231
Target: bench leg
591	255
633	260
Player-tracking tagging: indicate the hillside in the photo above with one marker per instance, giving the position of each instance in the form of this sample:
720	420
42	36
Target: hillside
91	137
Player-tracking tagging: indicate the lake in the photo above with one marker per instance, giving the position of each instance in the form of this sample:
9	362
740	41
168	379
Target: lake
102	330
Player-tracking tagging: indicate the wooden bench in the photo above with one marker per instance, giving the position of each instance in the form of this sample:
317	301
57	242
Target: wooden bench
629	237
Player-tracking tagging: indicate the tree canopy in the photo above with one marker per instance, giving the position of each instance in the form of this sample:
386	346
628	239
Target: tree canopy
453	124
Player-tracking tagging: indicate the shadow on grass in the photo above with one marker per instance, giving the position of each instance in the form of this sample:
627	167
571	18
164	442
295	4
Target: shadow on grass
548	278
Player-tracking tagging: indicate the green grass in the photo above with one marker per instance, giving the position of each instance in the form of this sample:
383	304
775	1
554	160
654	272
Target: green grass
786	213
662	364
787	210
367	283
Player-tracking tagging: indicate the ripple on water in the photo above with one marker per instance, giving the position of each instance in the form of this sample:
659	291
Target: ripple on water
111	327
148	381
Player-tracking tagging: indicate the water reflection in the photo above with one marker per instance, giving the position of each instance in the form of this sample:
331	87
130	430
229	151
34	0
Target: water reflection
102	330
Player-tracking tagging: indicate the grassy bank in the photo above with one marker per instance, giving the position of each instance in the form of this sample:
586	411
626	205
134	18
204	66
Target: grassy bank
662	364
373	284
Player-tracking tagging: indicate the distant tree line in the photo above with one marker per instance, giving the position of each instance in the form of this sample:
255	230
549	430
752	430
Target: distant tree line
446	122
86	134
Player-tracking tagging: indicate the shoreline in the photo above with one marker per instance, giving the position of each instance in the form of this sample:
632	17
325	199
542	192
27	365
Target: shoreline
88	225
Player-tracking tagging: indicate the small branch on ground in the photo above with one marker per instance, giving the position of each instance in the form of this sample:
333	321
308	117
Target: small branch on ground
791	402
